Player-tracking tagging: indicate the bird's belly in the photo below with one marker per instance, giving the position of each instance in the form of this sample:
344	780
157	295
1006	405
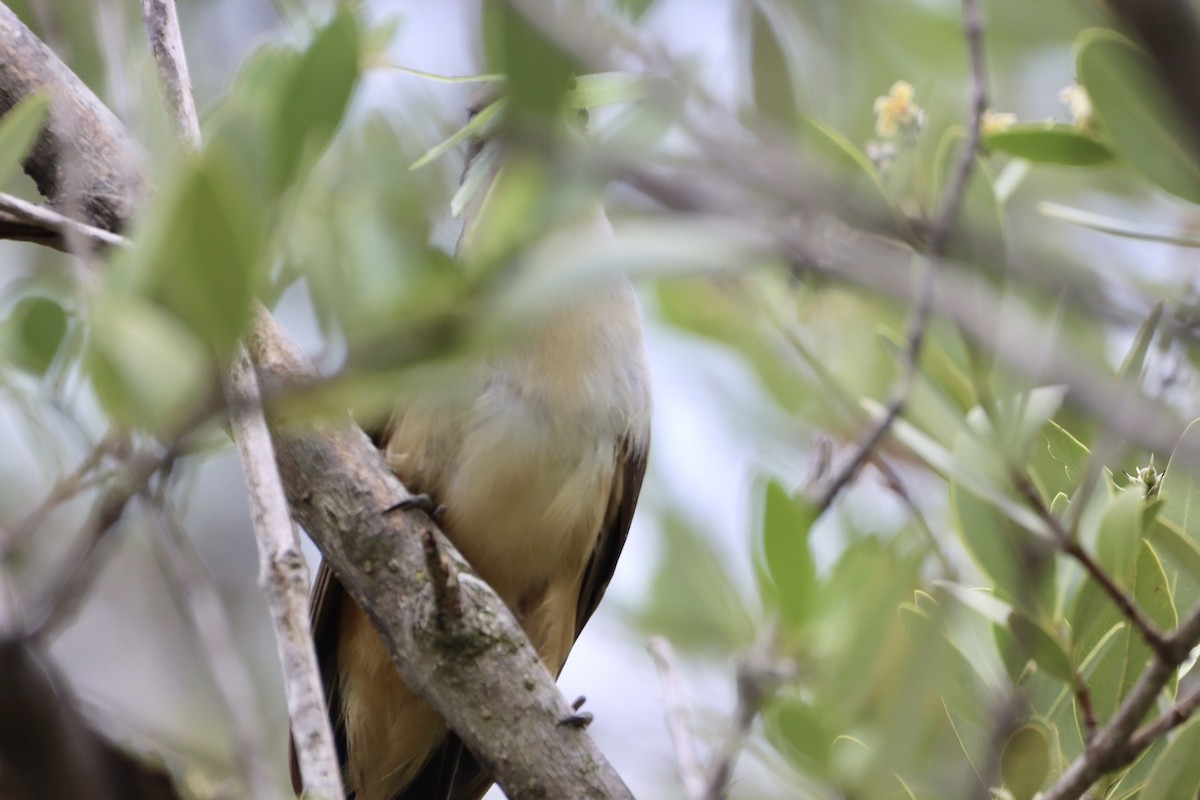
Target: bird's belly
525	509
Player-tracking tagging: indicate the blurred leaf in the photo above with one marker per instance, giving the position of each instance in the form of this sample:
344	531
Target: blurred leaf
1066	450
635	8
203	254
1025	761
1180	487
1135	361
692	600
937	365
1113	225
857	176
606	88
1176	773
787	522
799	730
18	131
770	73
539	72
1134	113
476	126
1042	645
315	97
34	331
708	309
1049	144
147	370
1020	563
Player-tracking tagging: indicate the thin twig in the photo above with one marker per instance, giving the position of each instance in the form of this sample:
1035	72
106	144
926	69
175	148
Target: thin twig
206	613
166	43
939	241
65	488
81	565
1114	745
283	572
1124	602
1178	714
691	773
57	224
759	674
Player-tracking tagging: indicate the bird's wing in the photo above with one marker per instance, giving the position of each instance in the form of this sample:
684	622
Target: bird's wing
622	500
325	607
452	773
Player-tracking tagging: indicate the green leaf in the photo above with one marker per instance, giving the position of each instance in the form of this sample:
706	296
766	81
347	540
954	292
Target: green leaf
147	370
315	97
1126	97
692	599
1135	361
539	71
1120	537
1180	487
1181	555
1176	773
1020	563
1113	225
1066	450
476	126
799	731
770	72
1115	670
788	562
1042	645
858	177
635	8
203	254
607	88
1025	761
19	129
34	332
1050	144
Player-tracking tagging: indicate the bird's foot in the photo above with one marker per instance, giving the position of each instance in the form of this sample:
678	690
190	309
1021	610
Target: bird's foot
580	719
422	501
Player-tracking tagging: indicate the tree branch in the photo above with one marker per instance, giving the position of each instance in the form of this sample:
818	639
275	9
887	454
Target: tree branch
105	165
939	241
283	575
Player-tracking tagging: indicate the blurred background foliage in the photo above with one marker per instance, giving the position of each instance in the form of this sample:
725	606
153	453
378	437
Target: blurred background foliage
929	639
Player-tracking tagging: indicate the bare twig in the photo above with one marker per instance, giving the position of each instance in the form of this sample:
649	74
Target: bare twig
283	572
759	675
166	43
1124	602
1178	714
1119	741
938	243
691	773
81	564
56	223
66	487
284	577
206	613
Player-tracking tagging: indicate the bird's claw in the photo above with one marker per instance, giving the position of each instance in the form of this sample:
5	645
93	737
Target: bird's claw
580	719
419	501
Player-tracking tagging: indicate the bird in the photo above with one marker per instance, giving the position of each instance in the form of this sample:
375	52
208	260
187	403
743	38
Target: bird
536	462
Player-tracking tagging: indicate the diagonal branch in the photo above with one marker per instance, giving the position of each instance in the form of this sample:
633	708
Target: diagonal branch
939	241
284	574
